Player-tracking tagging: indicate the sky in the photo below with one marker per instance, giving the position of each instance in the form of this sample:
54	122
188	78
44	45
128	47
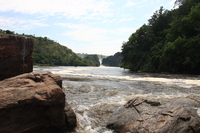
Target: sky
84	26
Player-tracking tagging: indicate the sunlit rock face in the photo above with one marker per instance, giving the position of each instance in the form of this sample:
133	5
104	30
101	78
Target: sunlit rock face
146	116
15	55
34	103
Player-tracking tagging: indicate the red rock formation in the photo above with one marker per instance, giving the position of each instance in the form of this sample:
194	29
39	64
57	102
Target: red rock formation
34	102
15	55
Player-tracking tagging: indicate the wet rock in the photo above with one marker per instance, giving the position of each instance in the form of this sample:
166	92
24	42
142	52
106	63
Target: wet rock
186	102
145	116
15	55
34	103
70	117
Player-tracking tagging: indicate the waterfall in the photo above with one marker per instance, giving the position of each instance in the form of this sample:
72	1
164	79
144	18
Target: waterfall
100	60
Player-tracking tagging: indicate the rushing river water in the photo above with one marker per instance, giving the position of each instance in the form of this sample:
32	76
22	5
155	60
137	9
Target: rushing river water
96	92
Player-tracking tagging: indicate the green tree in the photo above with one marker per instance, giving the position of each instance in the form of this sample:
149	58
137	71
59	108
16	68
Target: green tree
169	43
93	58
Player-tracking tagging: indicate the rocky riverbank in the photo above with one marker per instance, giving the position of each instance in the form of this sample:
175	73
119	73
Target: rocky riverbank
30	102
34	102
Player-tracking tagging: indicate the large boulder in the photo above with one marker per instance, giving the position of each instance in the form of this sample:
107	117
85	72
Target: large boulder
34	103
15	55
146	116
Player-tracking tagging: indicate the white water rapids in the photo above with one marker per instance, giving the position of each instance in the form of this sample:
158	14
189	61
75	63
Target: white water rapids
96	92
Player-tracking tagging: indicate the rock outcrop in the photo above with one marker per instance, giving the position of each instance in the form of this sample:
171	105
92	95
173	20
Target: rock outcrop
145	116
15	55
34	103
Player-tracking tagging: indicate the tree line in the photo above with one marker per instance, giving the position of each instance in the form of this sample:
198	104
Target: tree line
113	60
170	42
49	52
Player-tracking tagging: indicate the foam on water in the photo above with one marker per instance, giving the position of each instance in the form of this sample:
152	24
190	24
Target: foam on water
95	93
84	72
198	111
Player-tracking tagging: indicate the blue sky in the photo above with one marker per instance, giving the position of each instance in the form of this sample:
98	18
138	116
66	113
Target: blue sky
85	26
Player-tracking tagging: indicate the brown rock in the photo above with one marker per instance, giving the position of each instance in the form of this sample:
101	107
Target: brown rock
32	103
15	55
146	116
70	117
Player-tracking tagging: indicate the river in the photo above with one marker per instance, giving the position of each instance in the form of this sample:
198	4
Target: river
96	92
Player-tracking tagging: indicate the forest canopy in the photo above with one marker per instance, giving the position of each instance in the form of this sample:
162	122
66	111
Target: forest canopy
170	42
113	60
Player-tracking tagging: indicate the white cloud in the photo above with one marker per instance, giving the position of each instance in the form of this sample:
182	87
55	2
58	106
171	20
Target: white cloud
82	32
126	30
20	24
109	20
125	19
111	47
69	8
96	40
129	3
104	49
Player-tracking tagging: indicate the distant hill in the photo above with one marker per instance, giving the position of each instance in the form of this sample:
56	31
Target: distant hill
112	60
94	58
49	52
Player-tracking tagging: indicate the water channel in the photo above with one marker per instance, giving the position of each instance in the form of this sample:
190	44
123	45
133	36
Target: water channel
96	92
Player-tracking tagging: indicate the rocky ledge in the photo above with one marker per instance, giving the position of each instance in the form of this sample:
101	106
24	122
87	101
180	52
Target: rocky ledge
146	116
34	102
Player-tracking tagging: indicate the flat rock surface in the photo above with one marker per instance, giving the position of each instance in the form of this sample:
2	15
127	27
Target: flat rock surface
146	116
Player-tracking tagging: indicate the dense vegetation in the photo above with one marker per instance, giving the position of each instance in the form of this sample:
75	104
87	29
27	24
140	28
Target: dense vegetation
94	58
170	42
49	52
83	55
112	60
